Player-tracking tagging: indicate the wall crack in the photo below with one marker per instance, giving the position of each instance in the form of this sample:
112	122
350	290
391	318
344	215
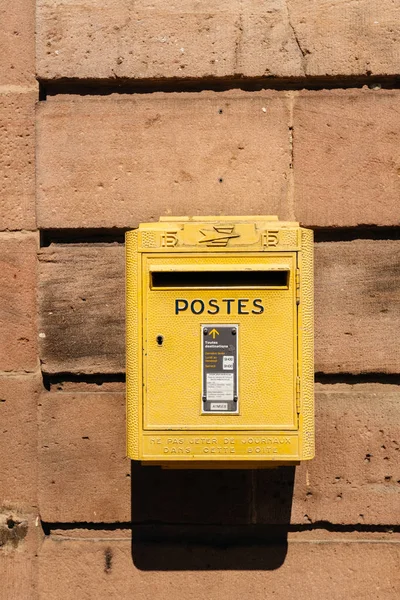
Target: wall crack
303	51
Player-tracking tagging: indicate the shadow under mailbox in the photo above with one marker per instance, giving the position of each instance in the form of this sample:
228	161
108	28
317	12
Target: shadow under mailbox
210	519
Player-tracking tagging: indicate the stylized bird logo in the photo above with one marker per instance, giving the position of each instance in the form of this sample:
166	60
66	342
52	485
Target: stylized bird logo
225	234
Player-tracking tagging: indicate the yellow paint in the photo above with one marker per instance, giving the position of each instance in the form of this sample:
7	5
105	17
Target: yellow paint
275	422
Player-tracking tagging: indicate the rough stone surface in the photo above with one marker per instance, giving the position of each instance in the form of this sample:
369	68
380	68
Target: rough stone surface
116	161
112	568
17	43
18	342
81	295
146	40
357	316
327	158
281	38
18	440
17	160
354	478
346	38
82	309
84	475
20	539
346	159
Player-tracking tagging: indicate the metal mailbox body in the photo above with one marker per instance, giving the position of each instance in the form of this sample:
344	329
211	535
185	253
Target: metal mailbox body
220	342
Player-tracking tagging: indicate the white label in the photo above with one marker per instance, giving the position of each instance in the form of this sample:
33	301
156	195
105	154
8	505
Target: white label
228	362
219	406
220	386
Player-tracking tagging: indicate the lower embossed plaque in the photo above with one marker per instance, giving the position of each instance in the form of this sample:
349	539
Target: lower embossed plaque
219	359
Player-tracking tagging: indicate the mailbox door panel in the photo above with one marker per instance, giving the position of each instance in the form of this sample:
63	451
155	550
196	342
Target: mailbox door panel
183	292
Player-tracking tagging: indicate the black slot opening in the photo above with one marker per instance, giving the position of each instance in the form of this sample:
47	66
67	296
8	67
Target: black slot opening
219	279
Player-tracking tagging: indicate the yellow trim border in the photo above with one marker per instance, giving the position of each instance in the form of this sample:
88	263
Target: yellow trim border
306	346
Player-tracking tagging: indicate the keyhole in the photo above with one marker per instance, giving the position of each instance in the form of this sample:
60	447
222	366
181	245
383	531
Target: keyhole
160	340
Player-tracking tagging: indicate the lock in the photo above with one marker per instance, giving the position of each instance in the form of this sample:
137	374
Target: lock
220	342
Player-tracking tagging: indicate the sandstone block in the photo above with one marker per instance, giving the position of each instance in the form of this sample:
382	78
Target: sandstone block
17	161
18	346
83	475
356	307
113	162
319	38
111	568
148	40
72	331
18	442
17	43
155	40
20	539
346	162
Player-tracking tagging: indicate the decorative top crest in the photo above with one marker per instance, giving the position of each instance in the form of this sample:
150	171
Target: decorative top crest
224	234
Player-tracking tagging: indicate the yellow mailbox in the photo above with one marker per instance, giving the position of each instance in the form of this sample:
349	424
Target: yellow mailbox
220	342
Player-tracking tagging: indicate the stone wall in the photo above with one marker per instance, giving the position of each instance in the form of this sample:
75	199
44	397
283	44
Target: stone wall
128	111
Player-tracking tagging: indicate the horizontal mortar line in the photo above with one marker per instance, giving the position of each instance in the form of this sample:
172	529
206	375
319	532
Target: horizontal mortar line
116	235
357	232
48	527
125	85
251	531
357	378
54	379
51	379
98	235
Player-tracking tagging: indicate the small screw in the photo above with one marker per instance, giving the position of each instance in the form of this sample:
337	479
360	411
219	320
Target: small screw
205	331
233	331
204	398
235	398
160	340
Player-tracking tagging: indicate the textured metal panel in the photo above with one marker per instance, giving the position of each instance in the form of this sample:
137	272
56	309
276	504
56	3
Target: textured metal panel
268	361
306	339
288	238
149	239
132	344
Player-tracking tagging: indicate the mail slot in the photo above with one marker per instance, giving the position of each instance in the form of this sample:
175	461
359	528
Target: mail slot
220	342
